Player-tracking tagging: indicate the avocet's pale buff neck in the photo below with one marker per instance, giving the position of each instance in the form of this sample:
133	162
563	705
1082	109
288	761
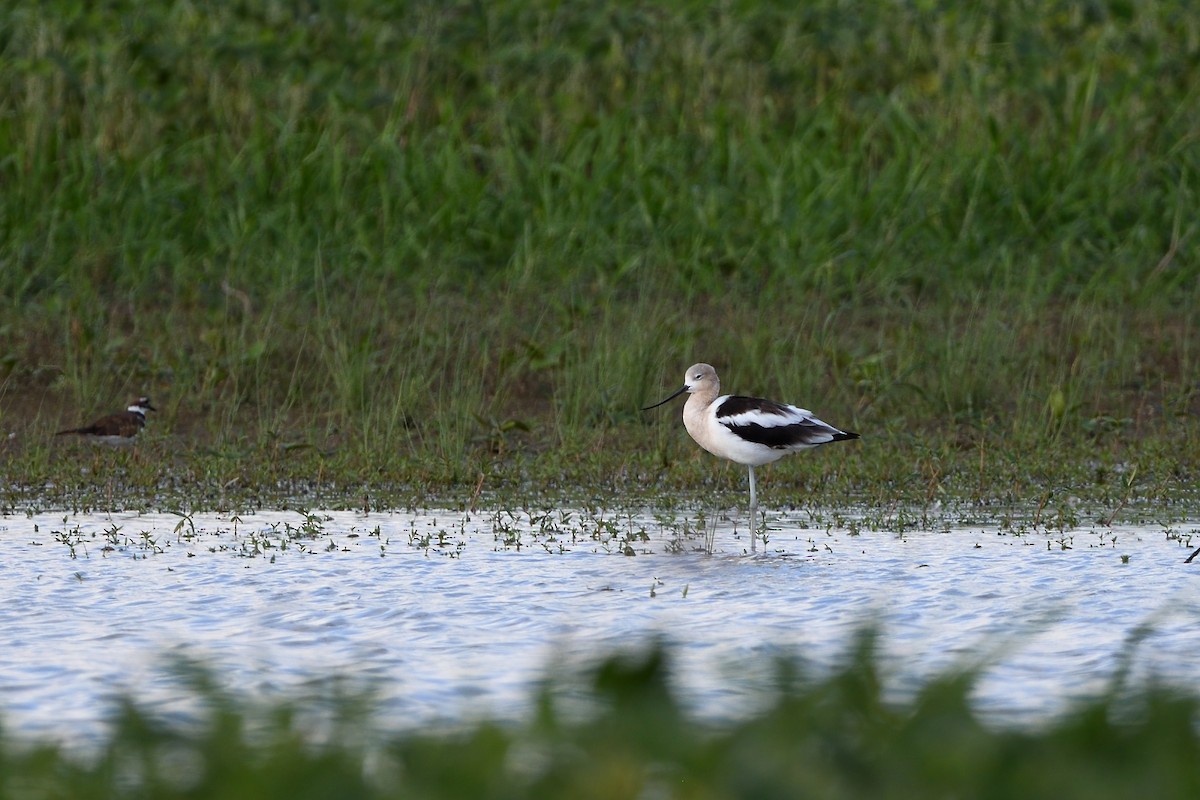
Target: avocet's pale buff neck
703	387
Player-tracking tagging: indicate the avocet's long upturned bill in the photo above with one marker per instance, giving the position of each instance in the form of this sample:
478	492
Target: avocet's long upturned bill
747	430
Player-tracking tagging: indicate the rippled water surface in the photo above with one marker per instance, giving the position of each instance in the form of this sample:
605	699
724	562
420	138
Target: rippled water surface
453	616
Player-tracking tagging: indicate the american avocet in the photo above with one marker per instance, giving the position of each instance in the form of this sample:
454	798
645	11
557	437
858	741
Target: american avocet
747	430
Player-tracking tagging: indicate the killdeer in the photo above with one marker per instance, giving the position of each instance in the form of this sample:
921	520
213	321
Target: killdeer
116	430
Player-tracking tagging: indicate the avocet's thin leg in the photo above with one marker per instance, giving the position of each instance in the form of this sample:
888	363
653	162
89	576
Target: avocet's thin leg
753	513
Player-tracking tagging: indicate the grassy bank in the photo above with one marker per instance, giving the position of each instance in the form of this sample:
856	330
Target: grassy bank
436	249
836	737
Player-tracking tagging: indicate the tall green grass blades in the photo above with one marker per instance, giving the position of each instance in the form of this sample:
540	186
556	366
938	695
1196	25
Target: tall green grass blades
403	234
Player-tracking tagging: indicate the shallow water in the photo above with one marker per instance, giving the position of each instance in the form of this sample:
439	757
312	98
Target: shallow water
452	616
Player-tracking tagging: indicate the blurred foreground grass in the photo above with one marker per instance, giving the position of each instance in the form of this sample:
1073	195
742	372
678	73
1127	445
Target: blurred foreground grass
422	248
835	737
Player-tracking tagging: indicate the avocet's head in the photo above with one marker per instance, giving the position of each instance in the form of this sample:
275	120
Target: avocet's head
141	406
699	377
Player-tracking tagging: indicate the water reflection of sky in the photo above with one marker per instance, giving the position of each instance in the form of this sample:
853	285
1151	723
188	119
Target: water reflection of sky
463	624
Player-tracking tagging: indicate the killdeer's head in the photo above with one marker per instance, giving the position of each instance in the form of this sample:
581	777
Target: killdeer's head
141	406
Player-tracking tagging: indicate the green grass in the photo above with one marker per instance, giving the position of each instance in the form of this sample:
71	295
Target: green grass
623	733
397	248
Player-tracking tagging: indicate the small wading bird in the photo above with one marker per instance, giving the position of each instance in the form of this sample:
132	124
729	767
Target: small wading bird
116	430
747	430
